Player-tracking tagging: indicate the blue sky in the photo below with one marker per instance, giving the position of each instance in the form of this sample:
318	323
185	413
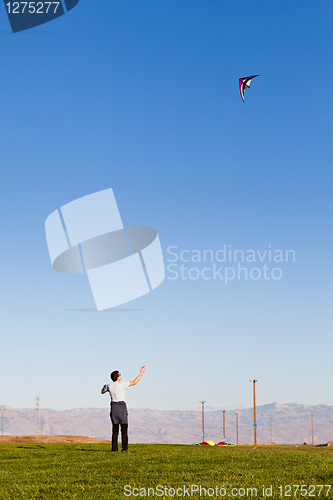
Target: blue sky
143	97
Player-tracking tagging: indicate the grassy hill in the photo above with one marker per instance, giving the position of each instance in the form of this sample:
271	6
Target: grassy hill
92	471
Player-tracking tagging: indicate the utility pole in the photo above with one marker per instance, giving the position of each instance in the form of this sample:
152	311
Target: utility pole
223	418
237	427
254	411
312	428
203	419
270	430
2	410
37	426
46	422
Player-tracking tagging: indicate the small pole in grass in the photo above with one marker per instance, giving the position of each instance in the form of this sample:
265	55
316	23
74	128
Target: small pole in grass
270	430
223	425
237	427
203	419
254	411
2	410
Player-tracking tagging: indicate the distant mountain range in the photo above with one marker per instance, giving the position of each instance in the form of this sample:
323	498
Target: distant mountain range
284	423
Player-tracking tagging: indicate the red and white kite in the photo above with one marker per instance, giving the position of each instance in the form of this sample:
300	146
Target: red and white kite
245	82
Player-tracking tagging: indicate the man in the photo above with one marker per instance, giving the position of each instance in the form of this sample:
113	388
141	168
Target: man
118	413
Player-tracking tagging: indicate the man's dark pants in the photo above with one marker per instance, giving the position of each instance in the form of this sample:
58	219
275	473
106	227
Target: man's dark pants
118	415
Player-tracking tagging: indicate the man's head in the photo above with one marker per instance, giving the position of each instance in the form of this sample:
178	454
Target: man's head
115	376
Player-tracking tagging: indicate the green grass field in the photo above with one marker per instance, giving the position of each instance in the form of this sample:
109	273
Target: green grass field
78	471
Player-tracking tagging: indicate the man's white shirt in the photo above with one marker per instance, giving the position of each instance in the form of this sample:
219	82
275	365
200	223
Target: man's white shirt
117	391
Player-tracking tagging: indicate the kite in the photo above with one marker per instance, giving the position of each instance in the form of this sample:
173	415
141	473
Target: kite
245	82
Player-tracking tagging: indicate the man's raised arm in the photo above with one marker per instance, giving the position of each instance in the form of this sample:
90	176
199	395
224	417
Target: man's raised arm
136	380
